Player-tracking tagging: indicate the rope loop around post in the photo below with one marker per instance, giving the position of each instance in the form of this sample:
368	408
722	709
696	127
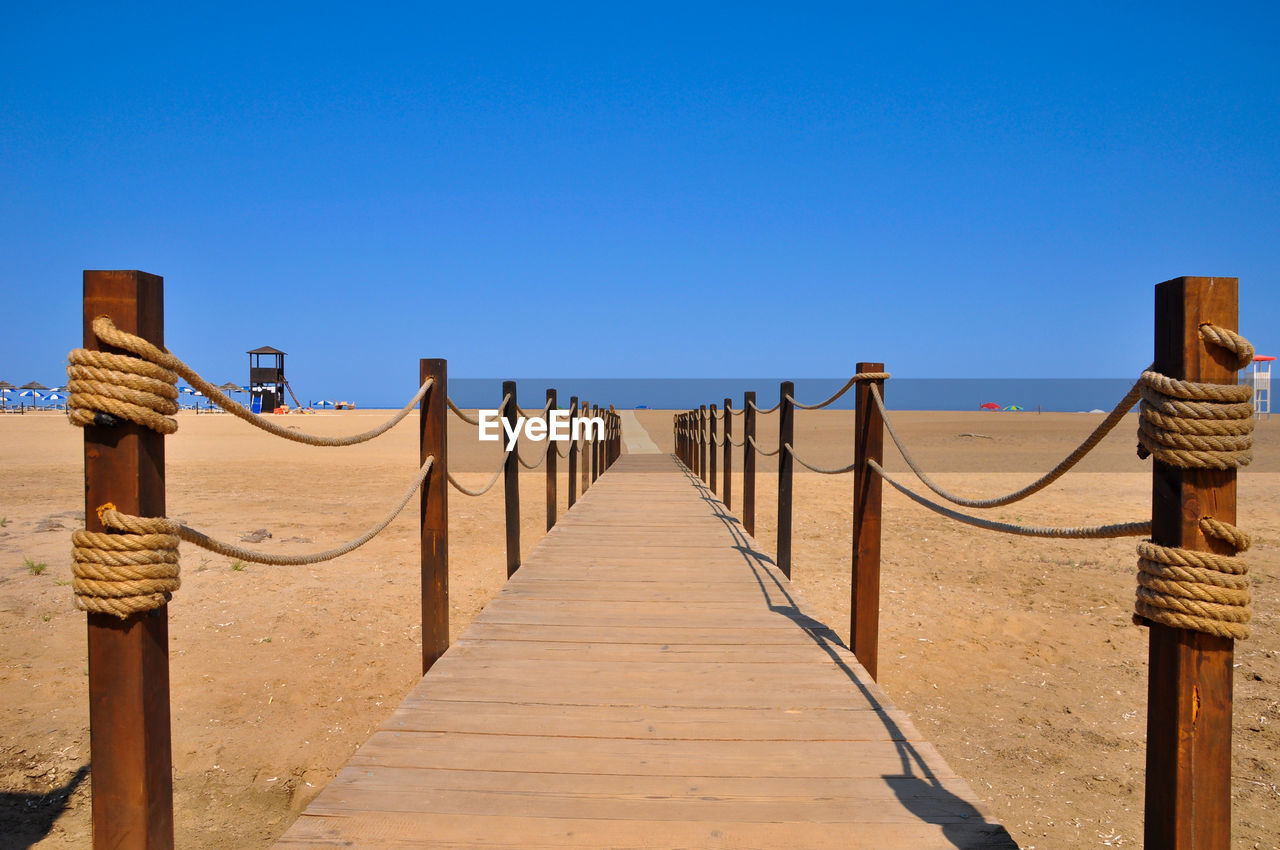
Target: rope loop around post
1195	425
1201	591
103	385
128	569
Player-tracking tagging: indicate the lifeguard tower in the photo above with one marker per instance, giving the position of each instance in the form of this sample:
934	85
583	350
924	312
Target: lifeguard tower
1261	380
266	379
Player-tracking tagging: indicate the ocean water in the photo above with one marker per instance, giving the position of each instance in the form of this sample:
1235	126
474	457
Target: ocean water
1048	394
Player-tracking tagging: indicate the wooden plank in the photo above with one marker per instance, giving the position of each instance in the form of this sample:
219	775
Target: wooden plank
644	681
405	830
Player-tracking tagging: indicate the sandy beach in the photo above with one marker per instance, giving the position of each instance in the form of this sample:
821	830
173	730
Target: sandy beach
1015	656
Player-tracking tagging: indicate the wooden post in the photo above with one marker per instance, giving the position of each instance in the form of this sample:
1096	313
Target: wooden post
511	480
615	436
786	433
748	462
433	434
573	452
711	448
553	454
702	441
726	492
129	739
595	446
1188	785
586	443
868	444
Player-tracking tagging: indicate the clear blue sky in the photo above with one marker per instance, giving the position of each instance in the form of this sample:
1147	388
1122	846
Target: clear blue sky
680	190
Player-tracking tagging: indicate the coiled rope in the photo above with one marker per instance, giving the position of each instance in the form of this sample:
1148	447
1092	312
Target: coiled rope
1194	425
103	387
133	566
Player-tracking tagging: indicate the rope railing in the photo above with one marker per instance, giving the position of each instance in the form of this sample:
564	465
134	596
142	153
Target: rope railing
126	562
457	411
104	387
1104	428
453	482
1092	532
133	568
861	376
1196	423
821	469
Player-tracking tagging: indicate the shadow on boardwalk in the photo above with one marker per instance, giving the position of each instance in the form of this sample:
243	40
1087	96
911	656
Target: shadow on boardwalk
916	787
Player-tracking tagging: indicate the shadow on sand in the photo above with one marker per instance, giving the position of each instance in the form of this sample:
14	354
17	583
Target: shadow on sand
27	818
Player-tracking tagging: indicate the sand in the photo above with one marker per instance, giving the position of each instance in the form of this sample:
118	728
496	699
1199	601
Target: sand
1016	657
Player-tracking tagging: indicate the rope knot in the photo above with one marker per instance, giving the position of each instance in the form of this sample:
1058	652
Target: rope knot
1202	591
128	569
104	387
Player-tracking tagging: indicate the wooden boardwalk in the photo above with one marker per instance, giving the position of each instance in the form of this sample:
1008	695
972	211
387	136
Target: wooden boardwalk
647	680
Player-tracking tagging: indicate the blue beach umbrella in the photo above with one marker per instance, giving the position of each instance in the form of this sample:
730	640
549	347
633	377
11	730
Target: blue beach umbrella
324	404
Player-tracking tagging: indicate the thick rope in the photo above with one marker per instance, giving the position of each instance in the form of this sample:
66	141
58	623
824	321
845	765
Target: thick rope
464	417
1194	425
1201	591
1104	428
133	566
765	412
486	488
1124	529
756	446
791	450
861	376
126	388
528	465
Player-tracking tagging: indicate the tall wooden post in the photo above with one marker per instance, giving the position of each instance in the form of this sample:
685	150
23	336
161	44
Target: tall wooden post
615	436
711	448
553	454
595	446
726	492
573	451
786	433
1188	786
433	514
868	444
702	441
511	479
586	444
748	462
128	659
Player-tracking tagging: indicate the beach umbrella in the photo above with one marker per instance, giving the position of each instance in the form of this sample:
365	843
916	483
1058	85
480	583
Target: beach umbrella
185	390
5	386
30	394
229	387
34	385
1013	407
324	404
991	405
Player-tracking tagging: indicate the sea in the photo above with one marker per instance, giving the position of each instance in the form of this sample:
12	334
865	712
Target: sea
1028	394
